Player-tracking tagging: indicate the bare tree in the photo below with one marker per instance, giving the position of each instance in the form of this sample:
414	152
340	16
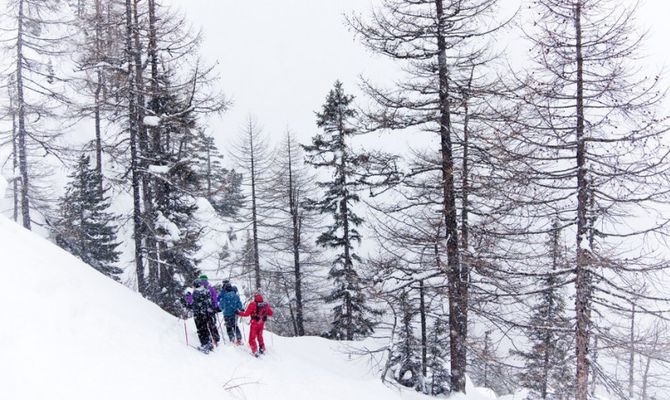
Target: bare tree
591	145
294	229
253	158
34	42
437	41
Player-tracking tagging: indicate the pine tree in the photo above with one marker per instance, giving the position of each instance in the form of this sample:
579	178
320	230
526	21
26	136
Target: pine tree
438	377
330	151
85	227
405	359
548	373
176	181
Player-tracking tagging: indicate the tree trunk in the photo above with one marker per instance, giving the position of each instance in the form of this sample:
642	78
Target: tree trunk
134	165
98	91
254	212
424	337
148	228
631	361
594	380
645	379
15	159
457	274
22	134
344	215
295	220
583	279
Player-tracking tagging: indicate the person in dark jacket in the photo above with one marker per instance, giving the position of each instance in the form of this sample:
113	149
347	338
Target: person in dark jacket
204	309
230	304
259	311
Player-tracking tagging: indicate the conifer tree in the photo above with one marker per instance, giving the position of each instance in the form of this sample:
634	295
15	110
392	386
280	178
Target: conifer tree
404	360
253	158
85	227
438	43
330	151
438	378
176	182
584	102
548	373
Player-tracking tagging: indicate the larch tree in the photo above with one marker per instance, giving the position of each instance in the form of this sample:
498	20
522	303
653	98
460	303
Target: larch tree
437	43
594	153
293	228
252	156
34	38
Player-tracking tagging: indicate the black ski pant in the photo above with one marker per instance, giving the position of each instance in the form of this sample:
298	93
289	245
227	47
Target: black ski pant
232	329
207	331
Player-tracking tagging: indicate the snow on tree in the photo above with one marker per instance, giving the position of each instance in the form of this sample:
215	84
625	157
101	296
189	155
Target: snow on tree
330	151
84	226
222	187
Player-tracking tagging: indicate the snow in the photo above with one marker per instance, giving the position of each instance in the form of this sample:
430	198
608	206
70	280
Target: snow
159	169
71	333
3	186
152	120
173	232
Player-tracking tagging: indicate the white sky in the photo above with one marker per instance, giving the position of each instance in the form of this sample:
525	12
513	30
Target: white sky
279	58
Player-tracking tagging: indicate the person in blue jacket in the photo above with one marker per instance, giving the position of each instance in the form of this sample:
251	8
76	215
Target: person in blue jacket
230	304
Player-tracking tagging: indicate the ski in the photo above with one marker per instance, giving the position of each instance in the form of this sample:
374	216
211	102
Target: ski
203	350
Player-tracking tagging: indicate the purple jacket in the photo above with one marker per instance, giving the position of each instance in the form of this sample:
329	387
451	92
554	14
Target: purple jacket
212	292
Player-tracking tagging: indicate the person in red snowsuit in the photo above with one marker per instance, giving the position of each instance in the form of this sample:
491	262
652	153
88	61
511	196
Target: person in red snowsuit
259	311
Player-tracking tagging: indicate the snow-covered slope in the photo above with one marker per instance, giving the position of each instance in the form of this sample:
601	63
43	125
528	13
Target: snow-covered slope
68	332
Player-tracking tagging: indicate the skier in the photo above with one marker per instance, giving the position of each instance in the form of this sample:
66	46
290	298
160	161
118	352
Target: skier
230	304
215	304
258	310
212	291
200	302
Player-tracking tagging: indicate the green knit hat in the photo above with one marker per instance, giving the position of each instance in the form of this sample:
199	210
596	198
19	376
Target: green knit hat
203	277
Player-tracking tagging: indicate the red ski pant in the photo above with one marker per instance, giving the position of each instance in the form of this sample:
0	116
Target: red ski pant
256	333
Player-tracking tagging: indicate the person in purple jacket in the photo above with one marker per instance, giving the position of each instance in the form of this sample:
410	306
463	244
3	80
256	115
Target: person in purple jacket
204	312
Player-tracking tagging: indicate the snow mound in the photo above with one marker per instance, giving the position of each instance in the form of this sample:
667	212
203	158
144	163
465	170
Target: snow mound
71	333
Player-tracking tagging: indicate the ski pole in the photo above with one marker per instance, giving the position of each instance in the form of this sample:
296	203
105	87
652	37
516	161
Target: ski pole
219	321
185	332
209	329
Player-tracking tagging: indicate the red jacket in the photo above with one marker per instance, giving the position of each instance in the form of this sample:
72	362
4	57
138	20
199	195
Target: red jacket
252	309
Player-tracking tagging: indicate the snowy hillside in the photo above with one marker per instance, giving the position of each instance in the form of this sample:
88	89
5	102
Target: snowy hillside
71	333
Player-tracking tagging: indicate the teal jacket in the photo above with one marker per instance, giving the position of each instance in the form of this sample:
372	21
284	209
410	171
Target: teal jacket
229	301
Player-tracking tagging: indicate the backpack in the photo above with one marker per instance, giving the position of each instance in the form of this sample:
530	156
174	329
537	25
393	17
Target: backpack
261	312
202	301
